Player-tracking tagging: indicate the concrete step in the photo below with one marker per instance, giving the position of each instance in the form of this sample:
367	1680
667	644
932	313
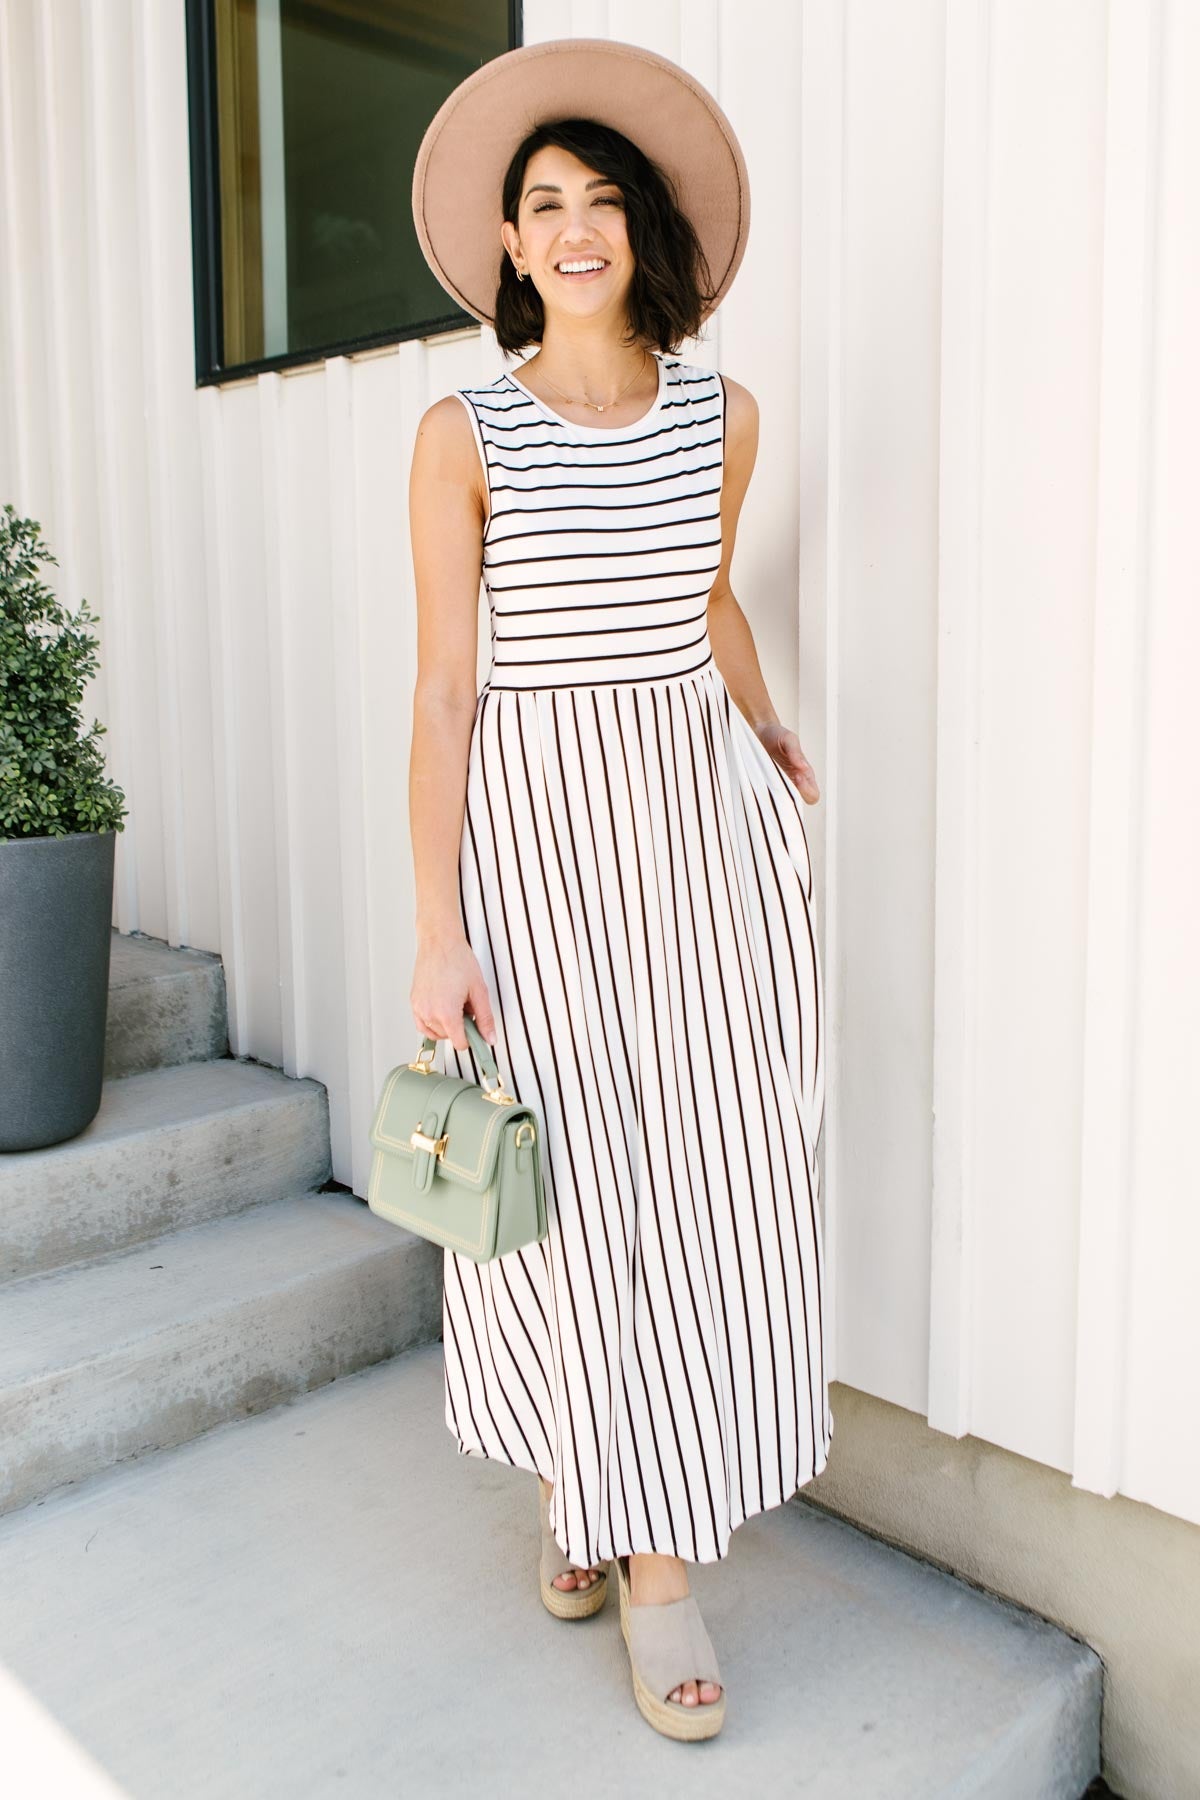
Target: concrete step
327	1599
157	1344
165	1006
167	1149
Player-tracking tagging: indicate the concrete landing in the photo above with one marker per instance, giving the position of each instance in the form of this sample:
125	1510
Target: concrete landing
327	1600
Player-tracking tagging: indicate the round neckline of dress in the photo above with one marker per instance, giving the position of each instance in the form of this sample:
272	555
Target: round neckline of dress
599	431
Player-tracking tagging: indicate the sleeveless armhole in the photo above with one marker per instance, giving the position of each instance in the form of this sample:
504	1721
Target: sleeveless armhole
724	403
481	447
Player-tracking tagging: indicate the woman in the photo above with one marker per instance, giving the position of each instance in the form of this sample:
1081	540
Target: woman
611	866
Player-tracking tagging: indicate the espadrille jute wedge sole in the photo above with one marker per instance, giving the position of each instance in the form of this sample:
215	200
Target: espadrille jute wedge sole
668	1645
564	1603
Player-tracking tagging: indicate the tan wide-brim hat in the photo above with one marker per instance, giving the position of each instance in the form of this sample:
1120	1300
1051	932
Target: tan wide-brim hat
460	167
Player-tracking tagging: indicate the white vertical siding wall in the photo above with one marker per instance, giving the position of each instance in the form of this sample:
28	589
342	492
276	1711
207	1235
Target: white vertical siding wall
971	558
1147	1251
999	423
1021	315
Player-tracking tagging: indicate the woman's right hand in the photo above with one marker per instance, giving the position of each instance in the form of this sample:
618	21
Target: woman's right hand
448	982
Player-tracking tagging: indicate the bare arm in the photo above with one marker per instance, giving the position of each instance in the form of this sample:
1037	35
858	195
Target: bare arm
728	627
447	515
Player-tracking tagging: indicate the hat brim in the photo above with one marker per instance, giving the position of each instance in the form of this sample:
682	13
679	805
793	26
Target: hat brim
460	167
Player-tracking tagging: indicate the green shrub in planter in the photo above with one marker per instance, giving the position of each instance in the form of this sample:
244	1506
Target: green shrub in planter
58	817
52	778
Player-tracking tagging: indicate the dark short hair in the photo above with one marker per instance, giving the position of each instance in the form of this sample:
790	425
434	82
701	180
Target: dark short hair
672	283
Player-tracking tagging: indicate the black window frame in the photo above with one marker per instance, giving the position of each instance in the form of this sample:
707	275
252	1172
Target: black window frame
207	294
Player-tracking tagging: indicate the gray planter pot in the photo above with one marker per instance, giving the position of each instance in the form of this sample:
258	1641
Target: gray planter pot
56	898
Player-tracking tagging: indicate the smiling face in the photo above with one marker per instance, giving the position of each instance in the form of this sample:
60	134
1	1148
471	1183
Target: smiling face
569	214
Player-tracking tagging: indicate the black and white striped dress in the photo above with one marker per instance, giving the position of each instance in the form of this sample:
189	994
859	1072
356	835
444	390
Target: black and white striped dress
635	882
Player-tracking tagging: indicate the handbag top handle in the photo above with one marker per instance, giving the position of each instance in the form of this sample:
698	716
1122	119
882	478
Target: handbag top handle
477	1041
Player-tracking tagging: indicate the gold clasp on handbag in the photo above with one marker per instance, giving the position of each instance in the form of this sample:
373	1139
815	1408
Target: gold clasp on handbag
424	1064
497	1094
421	1140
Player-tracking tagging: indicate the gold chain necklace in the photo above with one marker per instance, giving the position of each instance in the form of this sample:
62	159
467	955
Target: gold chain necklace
608	403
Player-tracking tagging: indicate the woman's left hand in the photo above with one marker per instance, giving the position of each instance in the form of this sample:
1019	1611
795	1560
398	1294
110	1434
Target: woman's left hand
784	746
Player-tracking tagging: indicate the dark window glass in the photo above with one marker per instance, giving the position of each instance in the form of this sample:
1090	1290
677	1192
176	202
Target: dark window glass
306	120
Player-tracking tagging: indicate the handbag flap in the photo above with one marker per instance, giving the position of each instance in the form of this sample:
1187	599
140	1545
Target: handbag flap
446	1106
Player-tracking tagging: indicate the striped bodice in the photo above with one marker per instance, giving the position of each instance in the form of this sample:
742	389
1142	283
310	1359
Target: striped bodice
602	542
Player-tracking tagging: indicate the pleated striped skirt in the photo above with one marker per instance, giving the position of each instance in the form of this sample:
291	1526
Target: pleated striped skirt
635	882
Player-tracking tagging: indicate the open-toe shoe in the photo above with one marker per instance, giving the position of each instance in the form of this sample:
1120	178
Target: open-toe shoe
668	1645
564	1603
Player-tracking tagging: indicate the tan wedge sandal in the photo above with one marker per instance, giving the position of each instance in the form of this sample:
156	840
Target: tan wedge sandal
564	1603
669	1645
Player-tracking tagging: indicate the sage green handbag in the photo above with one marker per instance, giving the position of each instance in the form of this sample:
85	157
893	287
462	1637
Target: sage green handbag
455	1161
